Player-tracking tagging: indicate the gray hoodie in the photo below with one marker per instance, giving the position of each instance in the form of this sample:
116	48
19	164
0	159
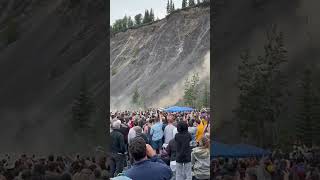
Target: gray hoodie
200	159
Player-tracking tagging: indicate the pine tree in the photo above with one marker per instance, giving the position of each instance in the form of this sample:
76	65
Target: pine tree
151	19
82	110
138	19
130	22
191	3
136	96
171	6
146	17
307	126
168	7
206	96
184	4
262	87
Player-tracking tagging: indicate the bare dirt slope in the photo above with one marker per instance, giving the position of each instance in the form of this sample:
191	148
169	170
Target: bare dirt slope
157	58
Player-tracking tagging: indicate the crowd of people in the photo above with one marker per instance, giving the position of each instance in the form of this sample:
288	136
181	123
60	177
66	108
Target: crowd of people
53	167
300	164
157	145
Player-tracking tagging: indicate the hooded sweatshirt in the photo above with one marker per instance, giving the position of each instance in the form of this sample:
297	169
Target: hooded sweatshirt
200	159
183	138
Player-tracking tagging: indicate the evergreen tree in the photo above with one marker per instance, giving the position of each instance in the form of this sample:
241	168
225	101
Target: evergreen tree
184	4
206	96
130	22
307	126
191	91
82	110
168	7
136	96
151	19
191	3
171	6
262	87
138	19
146	17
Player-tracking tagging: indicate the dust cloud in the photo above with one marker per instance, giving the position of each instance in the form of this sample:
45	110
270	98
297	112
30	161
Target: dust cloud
176	92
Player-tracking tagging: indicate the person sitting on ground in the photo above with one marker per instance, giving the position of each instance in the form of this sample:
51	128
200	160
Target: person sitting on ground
147	164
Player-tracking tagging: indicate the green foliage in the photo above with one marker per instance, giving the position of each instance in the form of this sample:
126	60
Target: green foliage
82	110
307	120
191	3
10	33
191	91
114	71
262	87
138	19
184	4
163	85
136	96
170	7
126	22
206	96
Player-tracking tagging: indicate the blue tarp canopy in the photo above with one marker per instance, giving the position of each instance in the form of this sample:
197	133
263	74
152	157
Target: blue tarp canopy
236	150
178	109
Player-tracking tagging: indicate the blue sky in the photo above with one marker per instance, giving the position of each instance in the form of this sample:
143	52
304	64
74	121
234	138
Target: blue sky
119	8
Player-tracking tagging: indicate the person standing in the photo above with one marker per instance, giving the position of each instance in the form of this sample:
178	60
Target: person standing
168	130
118	148
156	133
183	153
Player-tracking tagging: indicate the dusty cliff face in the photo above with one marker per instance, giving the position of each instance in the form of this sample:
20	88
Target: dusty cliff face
57	43
157	58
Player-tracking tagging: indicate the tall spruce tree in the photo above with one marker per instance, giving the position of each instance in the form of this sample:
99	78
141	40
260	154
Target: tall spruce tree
82	110
168	7
130	22
146	17
191	3
136	96
184	4
262	87
206	96
307	121
151	17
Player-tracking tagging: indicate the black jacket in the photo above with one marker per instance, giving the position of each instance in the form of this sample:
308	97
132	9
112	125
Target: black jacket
117	142
172	149
183	147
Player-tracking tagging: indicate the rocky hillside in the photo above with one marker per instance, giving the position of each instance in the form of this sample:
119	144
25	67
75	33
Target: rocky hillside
157	58
240	25
46	47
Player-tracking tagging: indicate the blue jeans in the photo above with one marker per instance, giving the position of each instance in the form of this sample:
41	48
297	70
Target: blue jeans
184	171
156	144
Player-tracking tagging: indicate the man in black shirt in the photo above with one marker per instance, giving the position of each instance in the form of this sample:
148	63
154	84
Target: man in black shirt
118	148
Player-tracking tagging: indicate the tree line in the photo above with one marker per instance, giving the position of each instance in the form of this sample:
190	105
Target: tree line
264	95
195	95
127	22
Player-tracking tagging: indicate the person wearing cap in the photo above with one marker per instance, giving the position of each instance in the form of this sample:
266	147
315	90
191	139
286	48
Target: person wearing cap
118	148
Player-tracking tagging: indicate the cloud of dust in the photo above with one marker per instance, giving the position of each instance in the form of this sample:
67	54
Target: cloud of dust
176	92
